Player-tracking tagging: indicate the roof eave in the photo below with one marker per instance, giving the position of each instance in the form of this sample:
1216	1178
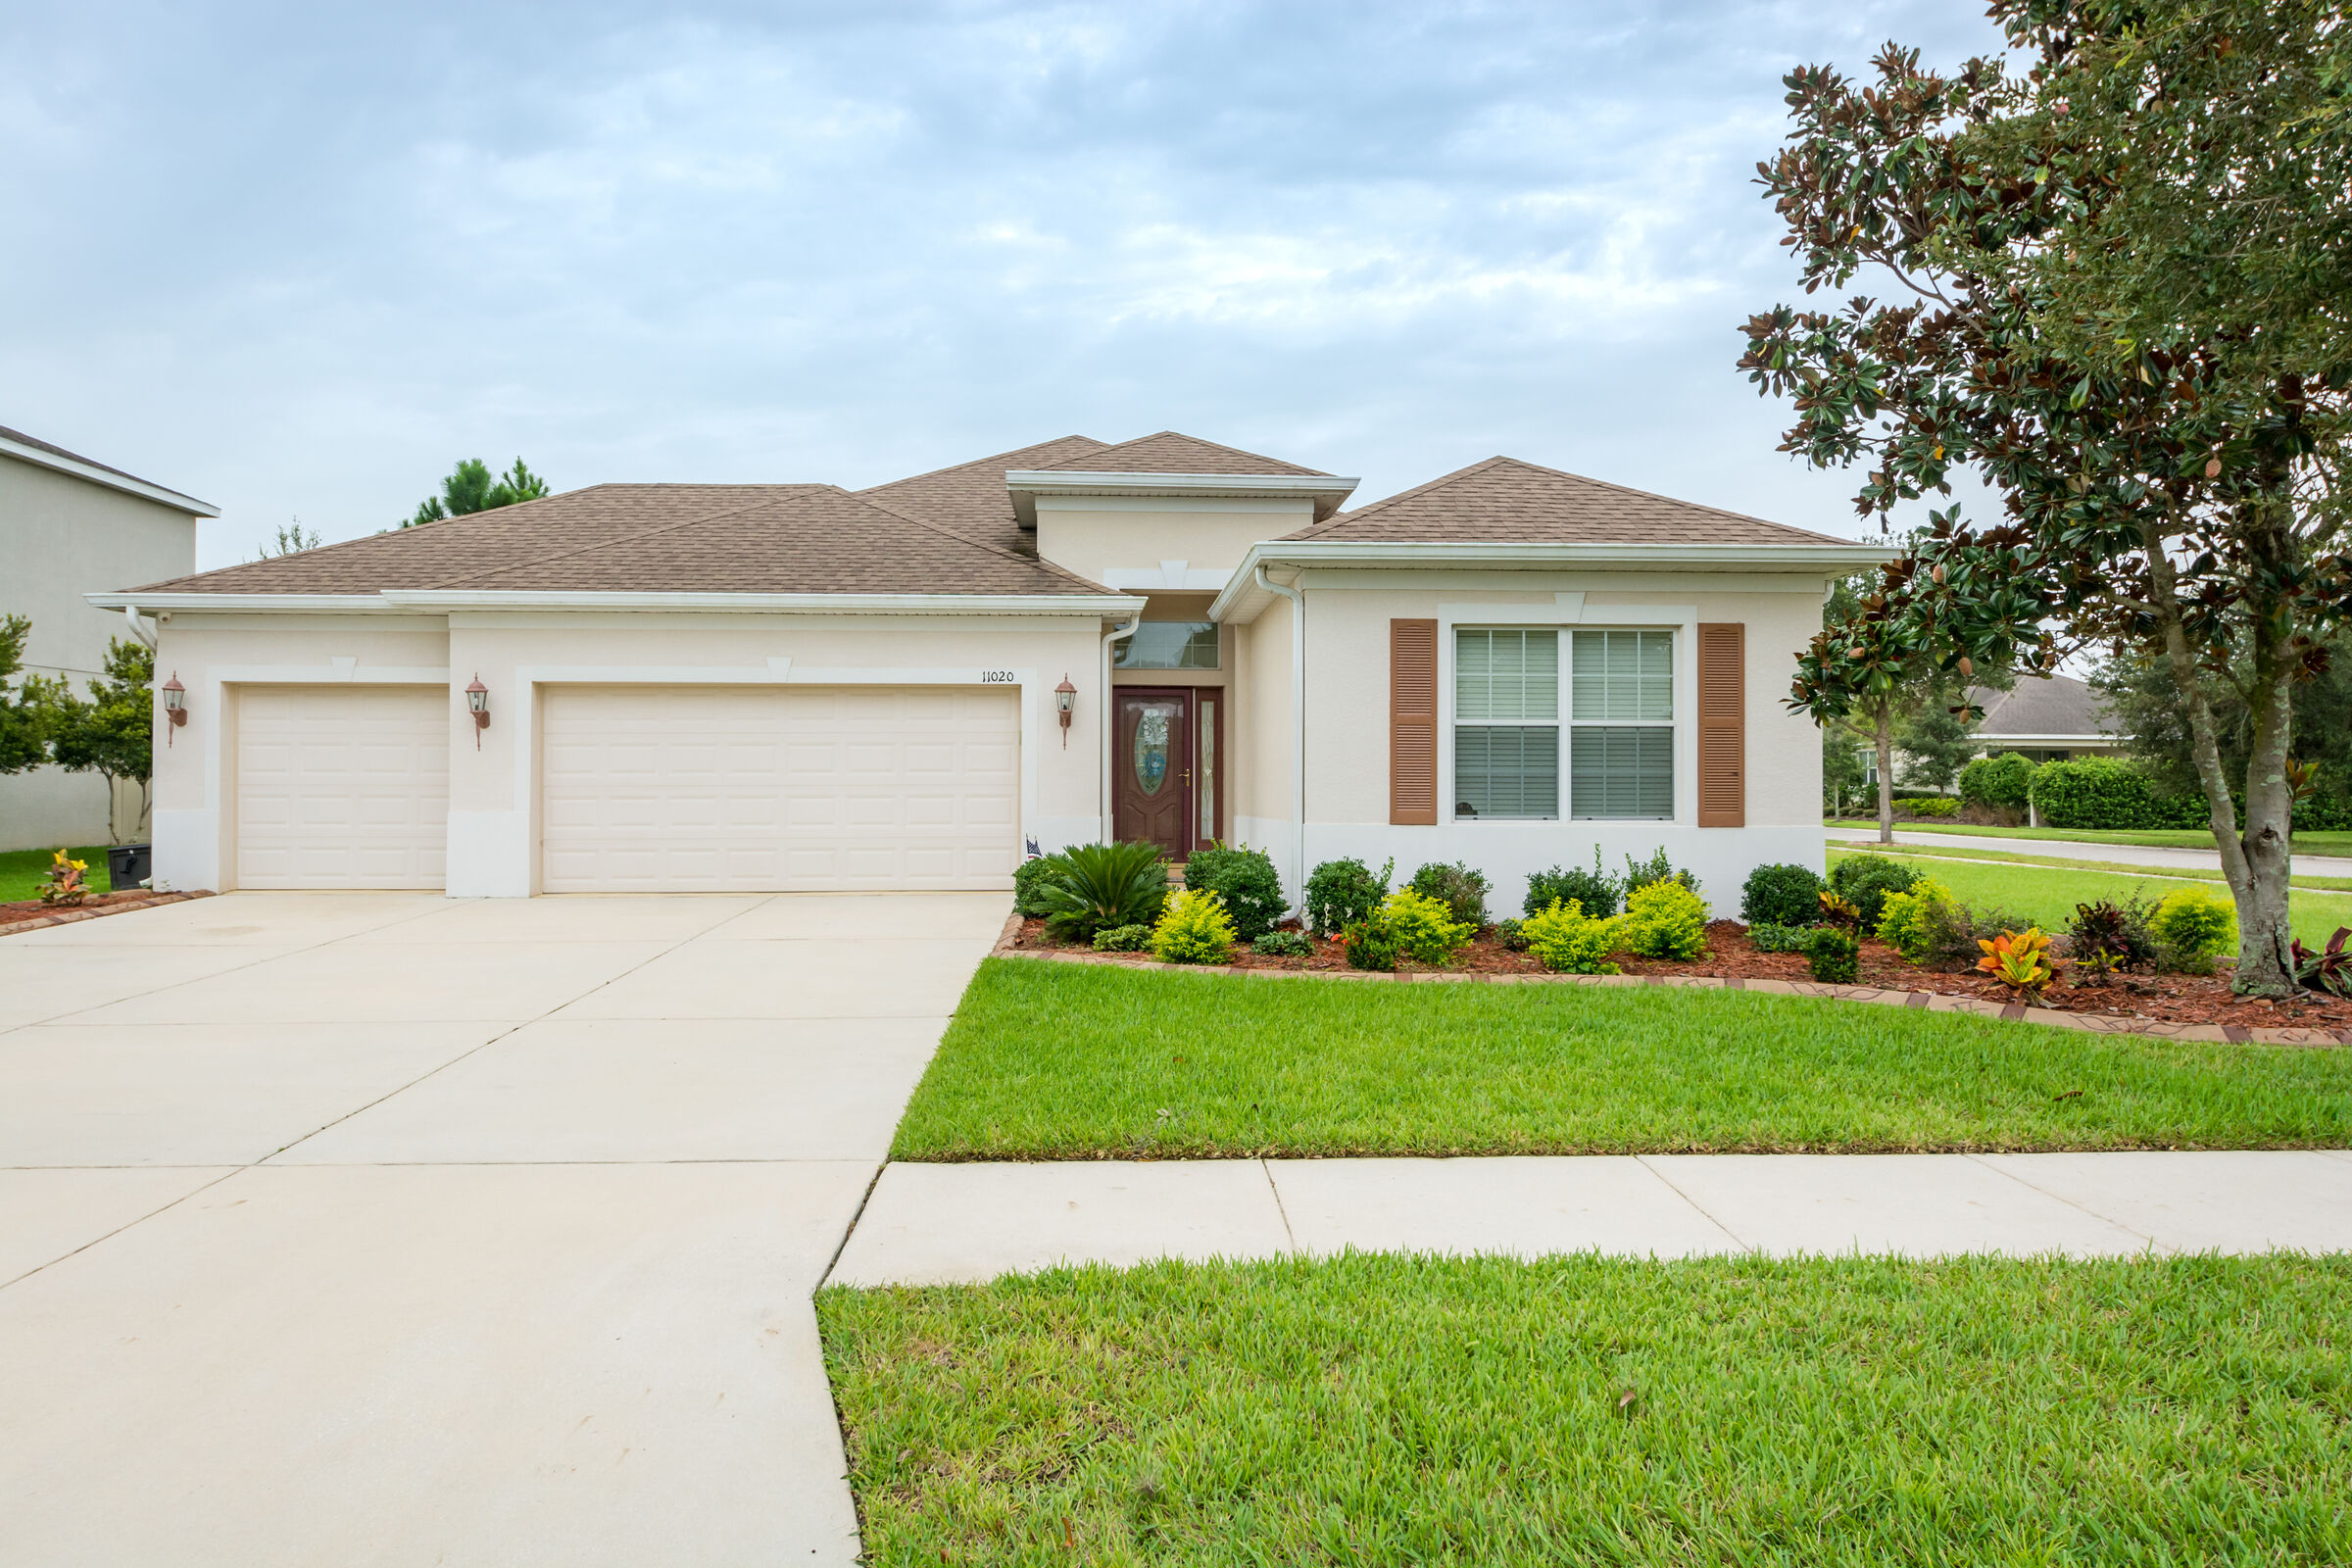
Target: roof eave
441	601
1822	560
1328	492
129	485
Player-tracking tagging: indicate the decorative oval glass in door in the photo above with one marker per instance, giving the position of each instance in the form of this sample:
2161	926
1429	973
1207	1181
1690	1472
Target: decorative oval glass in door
1152	729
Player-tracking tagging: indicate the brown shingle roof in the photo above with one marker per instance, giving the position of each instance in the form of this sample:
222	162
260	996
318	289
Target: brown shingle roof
1505	501
1170	452
665	538
970	498
2043	704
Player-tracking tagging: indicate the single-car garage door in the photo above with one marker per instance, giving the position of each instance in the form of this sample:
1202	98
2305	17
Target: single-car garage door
778	787
342	786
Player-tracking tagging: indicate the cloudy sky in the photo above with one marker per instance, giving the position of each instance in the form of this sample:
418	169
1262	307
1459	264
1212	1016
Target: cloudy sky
296	260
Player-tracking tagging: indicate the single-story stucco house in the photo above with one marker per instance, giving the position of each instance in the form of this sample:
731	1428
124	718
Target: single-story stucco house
792	686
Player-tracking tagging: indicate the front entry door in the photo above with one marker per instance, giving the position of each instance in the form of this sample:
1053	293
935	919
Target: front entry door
1152	771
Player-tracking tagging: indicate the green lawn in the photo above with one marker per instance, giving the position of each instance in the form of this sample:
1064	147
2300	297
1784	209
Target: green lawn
1086	1061
21	871
1378	1409
2047	896
2161	838
2187	873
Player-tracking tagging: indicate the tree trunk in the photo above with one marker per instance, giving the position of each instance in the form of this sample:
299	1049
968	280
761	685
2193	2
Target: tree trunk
1883	739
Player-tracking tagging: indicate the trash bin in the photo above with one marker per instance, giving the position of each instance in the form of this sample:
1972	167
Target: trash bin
127	866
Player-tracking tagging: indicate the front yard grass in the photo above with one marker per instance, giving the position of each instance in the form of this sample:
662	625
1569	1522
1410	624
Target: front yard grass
1089	1061
2310	843
2161	874
1409	1410
21	871
2047	896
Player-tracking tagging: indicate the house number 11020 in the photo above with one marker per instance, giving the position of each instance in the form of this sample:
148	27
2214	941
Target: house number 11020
996	677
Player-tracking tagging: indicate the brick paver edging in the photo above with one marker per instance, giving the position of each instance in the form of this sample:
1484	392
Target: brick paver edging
92	911
1927	1000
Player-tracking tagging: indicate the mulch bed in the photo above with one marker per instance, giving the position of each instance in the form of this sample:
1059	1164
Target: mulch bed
32	914
2174	999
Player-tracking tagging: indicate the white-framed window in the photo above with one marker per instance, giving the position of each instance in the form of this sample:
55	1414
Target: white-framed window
1518	747
1168	645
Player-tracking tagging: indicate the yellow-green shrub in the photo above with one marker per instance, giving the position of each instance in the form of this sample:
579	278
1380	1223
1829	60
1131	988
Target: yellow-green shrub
1912	921
2192	926
1570	941
1665	920
1194	928
1423	928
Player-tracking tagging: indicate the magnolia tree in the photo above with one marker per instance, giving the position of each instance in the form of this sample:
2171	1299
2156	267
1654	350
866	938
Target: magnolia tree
2116	267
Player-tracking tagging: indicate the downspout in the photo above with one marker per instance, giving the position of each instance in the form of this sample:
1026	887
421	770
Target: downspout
1298	727
1110	716
138	628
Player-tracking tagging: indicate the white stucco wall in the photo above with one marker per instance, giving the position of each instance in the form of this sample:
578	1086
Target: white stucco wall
1099	537
62	537
494	828
1348	616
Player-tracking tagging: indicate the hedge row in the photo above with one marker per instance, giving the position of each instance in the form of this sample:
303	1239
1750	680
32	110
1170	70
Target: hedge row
2099	792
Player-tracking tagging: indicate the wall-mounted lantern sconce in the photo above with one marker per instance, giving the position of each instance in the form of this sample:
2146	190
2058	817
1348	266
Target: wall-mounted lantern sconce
175	705
477	702
1065	703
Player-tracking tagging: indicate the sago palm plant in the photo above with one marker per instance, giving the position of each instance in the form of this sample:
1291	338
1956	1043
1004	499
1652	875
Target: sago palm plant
1096	887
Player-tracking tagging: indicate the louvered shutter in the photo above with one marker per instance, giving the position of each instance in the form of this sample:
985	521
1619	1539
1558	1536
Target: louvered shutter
1413	724
1722	724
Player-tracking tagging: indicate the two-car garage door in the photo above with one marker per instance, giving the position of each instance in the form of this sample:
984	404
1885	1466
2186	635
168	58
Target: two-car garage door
796	788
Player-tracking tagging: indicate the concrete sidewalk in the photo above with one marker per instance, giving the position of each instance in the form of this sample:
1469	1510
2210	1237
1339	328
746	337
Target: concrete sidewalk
951	1224
2155	857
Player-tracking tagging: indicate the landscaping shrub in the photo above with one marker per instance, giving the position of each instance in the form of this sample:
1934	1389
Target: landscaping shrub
1094	887
1596	892
1461	889
1369	944
1339	893
1833	956
2093	792
1283	945
1928	806
1245	879
65	883
1123	939
1780	894
2192	926
1029	879
2019	960
2330	970
1865	880
1422	927
1998	782
1770	938
1571	942
1921	919
2108	936
1665	920
1194	928
1512	934
1639	874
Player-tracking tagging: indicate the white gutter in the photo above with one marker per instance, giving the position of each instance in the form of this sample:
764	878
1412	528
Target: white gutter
139	628
1025	485
1297	725
1786	558
414	600
1110	718
81	468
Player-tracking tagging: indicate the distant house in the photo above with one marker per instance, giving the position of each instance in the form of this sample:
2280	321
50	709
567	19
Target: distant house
69	525
2048	719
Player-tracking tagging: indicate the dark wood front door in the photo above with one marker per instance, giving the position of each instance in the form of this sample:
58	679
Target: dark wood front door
1151	768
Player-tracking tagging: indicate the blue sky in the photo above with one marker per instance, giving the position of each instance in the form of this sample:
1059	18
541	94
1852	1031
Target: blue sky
298	260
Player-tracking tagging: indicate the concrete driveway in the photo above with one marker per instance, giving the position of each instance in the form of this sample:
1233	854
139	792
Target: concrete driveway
346	1229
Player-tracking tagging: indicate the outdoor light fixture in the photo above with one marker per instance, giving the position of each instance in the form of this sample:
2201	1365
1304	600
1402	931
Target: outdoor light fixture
477	702
175	705
1065	700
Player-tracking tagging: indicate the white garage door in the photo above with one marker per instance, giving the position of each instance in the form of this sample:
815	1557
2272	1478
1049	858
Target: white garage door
778	787
342	786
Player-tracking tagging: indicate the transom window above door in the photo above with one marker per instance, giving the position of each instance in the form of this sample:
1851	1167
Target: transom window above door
1168	645
1509	724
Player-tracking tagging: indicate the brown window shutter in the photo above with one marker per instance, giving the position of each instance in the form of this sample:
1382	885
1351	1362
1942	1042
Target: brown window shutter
1722	724
1413	724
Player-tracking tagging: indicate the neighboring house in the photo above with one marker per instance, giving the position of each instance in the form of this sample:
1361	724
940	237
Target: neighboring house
69	525
791	686
2049	718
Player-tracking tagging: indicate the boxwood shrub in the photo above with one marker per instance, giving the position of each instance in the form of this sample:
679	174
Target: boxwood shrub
2093	792
1780	894
1997	781
1245	879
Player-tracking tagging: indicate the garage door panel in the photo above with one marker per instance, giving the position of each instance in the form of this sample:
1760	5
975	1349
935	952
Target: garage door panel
342	786
785	788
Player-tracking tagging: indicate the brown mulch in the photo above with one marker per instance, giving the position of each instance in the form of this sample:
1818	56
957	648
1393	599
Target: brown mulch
2185	998
30	914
